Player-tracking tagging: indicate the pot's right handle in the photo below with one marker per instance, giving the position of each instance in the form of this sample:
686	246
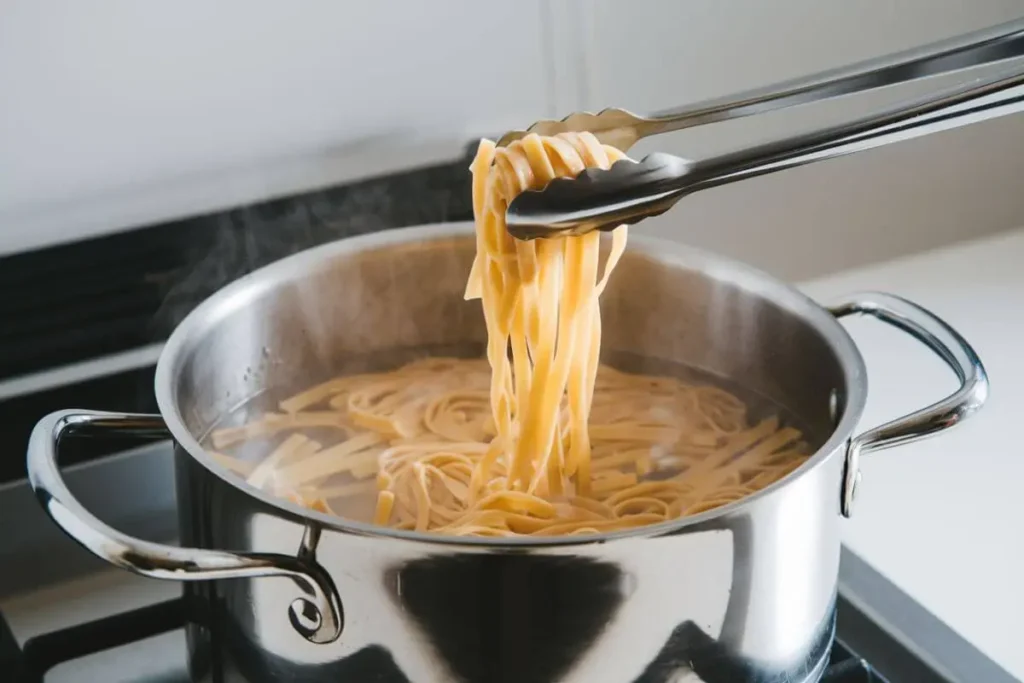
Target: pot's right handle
947	343
317	615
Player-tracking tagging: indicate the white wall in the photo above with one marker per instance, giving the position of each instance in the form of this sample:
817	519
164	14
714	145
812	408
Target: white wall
836	214
116	112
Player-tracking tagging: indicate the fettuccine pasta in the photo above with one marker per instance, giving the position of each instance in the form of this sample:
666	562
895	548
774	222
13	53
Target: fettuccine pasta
539	438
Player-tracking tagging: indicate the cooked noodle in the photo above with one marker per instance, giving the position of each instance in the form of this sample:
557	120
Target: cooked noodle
538	439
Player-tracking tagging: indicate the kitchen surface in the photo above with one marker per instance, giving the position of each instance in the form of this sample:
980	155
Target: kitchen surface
144	173
916	501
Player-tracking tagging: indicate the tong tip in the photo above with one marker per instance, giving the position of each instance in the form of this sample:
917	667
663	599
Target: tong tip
608	119
599	199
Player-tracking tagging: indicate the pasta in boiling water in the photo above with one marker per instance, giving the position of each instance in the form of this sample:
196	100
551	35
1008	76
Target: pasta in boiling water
538	438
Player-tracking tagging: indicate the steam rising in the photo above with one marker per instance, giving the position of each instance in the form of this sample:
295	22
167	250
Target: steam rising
228	245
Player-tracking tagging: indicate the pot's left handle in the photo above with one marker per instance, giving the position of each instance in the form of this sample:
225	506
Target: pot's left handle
317	615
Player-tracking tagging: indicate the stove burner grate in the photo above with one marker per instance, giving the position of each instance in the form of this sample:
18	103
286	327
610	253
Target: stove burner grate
29	663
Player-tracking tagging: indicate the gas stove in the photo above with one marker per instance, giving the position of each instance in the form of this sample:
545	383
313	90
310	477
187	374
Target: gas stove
67	618
30	662
44	652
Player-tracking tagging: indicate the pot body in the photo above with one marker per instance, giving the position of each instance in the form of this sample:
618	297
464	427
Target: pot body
744	593
745	597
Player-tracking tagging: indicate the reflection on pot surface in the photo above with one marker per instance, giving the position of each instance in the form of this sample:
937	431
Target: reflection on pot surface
591	613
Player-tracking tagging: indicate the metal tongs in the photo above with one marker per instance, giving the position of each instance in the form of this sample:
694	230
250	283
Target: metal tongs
630	191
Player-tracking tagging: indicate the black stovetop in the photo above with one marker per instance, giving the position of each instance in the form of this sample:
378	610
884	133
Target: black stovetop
28	663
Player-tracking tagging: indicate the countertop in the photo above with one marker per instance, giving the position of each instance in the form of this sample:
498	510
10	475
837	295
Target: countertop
941	518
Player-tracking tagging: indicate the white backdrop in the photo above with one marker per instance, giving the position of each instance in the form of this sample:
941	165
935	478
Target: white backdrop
116	113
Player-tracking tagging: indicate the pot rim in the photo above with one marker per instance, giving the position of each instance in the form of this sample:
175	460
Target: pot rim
237	294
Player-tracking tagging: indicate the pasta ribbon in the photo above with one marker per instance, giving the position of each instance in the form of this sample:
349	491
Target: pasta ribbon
538	438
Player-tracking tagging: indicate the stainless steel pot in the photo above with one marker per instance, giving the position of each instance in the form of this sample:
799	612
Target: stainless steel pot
742	593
